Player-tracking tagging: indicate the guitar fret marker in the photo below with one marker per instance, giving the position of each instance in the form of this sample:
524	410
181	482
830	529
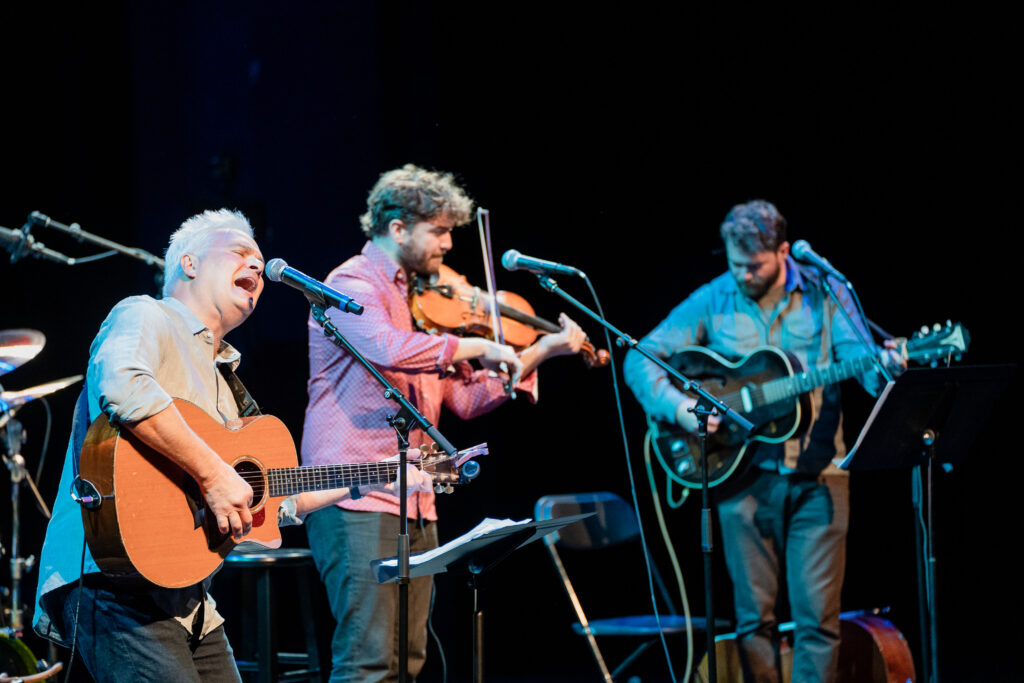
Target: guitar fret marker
748	404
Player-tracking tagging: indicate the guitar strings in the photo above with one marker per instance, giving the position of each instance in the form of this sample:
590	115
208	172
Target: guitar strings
293	479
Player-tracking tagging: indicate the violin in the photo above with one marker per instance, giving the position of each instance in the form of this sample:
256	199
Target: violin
448	303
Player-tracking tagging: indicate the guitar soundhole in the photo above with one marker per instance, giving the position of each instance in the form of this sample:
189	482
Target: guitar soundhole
254	477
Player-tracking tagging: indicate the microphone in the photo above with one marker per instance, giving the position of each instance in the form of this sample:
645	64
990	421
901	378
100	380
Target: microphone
21	243
513	260
316	291
802	252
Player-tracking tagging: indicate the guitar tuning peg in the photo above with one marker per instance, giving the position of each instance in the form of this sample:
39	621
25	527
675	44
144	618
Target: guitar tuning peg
438	488
924	330
949	323
434	448
449	489
936	327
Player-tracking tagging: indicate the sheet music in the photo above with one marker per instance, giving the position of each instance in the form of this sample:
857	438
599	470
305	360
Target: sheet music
871	418
486	526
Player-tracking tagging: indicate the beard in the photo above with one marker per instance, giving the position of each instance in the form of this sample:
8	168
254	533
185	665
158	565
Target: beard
415	260
758	287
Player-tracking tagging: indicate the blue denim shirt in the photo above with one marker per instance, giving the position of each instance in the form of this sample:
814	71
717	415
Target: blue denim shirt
805	322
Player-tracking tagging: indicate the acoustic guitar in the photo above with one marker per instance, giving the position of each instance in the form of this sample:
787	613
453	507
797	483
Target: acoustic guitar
769	387
146	517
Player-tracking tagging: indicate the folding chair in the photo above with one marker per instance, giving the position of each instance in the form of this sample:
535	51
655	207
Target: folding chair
613	523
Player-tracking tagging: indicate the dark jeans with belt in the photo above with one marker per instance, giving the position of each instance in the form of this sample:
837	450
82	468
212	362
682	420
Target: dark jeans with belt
365	642
795	526
124	637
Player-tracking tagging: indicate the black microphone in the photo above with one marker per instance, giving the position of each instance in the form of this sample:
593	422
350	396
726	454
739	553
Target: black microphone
802	252
316	291
513	260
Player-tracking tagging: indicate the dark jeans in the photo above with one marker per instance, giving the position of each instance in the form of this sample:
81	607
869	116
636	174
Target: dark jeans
123	636
365	642
796	525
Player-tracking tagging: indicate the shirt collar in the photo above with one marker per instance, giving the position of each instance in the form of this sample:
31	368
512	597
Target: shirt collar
794	278
225	354
381	261
191	320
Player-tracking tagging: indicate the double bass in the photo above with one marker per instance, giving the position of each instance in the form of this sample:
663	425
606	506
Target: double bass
871	650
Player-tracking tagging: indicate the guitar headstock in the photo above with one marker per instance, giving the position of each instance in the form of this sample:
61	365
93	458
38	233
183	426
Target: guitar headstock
446	470
939	343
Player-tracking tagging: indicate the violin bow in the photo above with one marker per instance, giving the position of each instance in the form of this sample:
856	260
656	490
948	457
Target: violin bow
483	221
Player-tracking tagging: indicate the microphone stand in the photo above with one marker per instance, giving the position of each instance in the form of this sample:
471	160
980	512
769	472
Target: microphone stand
75	230
402	423
879	365
707	405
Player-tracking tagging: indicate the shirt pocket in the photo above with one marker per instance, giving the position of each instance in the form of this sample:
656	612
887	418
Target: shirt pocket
736	332
801	333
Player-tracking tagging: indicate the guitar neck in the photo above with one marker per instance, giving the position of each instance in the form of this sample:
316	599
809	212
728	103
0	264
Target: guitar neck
788	387
292	480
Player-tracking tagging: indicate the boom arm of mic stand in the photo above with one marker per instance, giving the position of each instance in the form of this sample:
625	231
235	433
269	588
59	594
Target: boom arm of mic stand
76	231
625	340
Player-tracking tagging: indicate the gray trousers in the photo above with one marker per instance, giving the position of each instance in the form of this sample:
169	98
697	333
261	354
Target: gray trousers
365	642
794	526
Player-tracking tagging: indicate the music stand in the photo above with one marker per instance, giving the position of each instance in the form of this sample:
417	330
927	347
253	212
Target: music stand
475	556
927	415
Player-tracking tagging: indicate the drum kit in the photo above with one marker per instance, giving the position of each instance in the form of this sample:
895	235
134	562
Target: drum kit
17	347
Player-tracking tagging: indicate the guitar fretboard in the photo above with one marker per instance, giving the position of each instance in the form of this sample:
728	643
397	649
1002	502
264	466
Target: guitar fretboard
287	482
788	387
784	388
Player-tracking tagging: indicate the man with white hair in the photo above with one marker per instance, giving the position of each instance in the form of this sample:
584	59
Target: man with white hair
147	353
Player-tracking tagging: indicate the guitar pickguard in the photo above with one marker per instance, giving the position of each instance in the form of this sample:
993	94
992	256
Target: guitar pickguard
729	446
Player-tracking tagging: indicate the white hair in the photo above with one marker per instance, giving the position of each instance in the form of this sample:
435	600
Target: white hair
192	236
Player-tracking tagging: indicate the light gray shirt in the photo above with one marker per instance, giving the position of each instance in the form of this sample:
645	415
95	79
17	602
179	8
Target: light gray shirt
147	353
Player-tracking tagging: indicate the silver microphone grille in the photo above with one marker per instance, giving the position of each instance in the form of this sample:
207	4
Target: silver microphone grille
274	268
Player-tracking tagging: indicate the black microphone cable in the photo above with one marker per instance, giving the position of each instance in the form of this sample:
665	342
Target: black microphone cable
636	503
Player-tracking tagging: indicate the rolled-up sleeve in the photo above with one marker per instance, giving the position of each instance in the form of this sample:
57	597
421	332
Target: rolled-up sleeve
123	359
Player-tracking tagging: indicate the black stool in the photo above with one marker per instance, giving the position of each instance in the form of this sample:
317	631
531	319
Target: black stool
304	666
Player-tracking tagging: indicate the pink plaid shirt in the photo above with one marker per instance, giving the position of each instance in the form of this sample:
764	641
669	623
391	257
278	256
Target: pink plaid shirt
346	416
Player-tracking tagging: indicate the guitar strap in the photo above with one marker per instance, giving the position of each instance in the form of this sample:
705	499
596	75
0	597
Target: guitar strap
246	404
79	427
247	407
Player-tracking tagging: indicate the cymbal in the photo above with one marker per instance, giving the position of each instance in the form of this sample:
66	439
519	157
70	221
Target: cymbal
18	347
14	399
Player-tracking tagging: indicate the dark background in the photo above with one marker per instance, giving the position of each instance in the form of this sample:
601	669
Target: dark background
614	139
